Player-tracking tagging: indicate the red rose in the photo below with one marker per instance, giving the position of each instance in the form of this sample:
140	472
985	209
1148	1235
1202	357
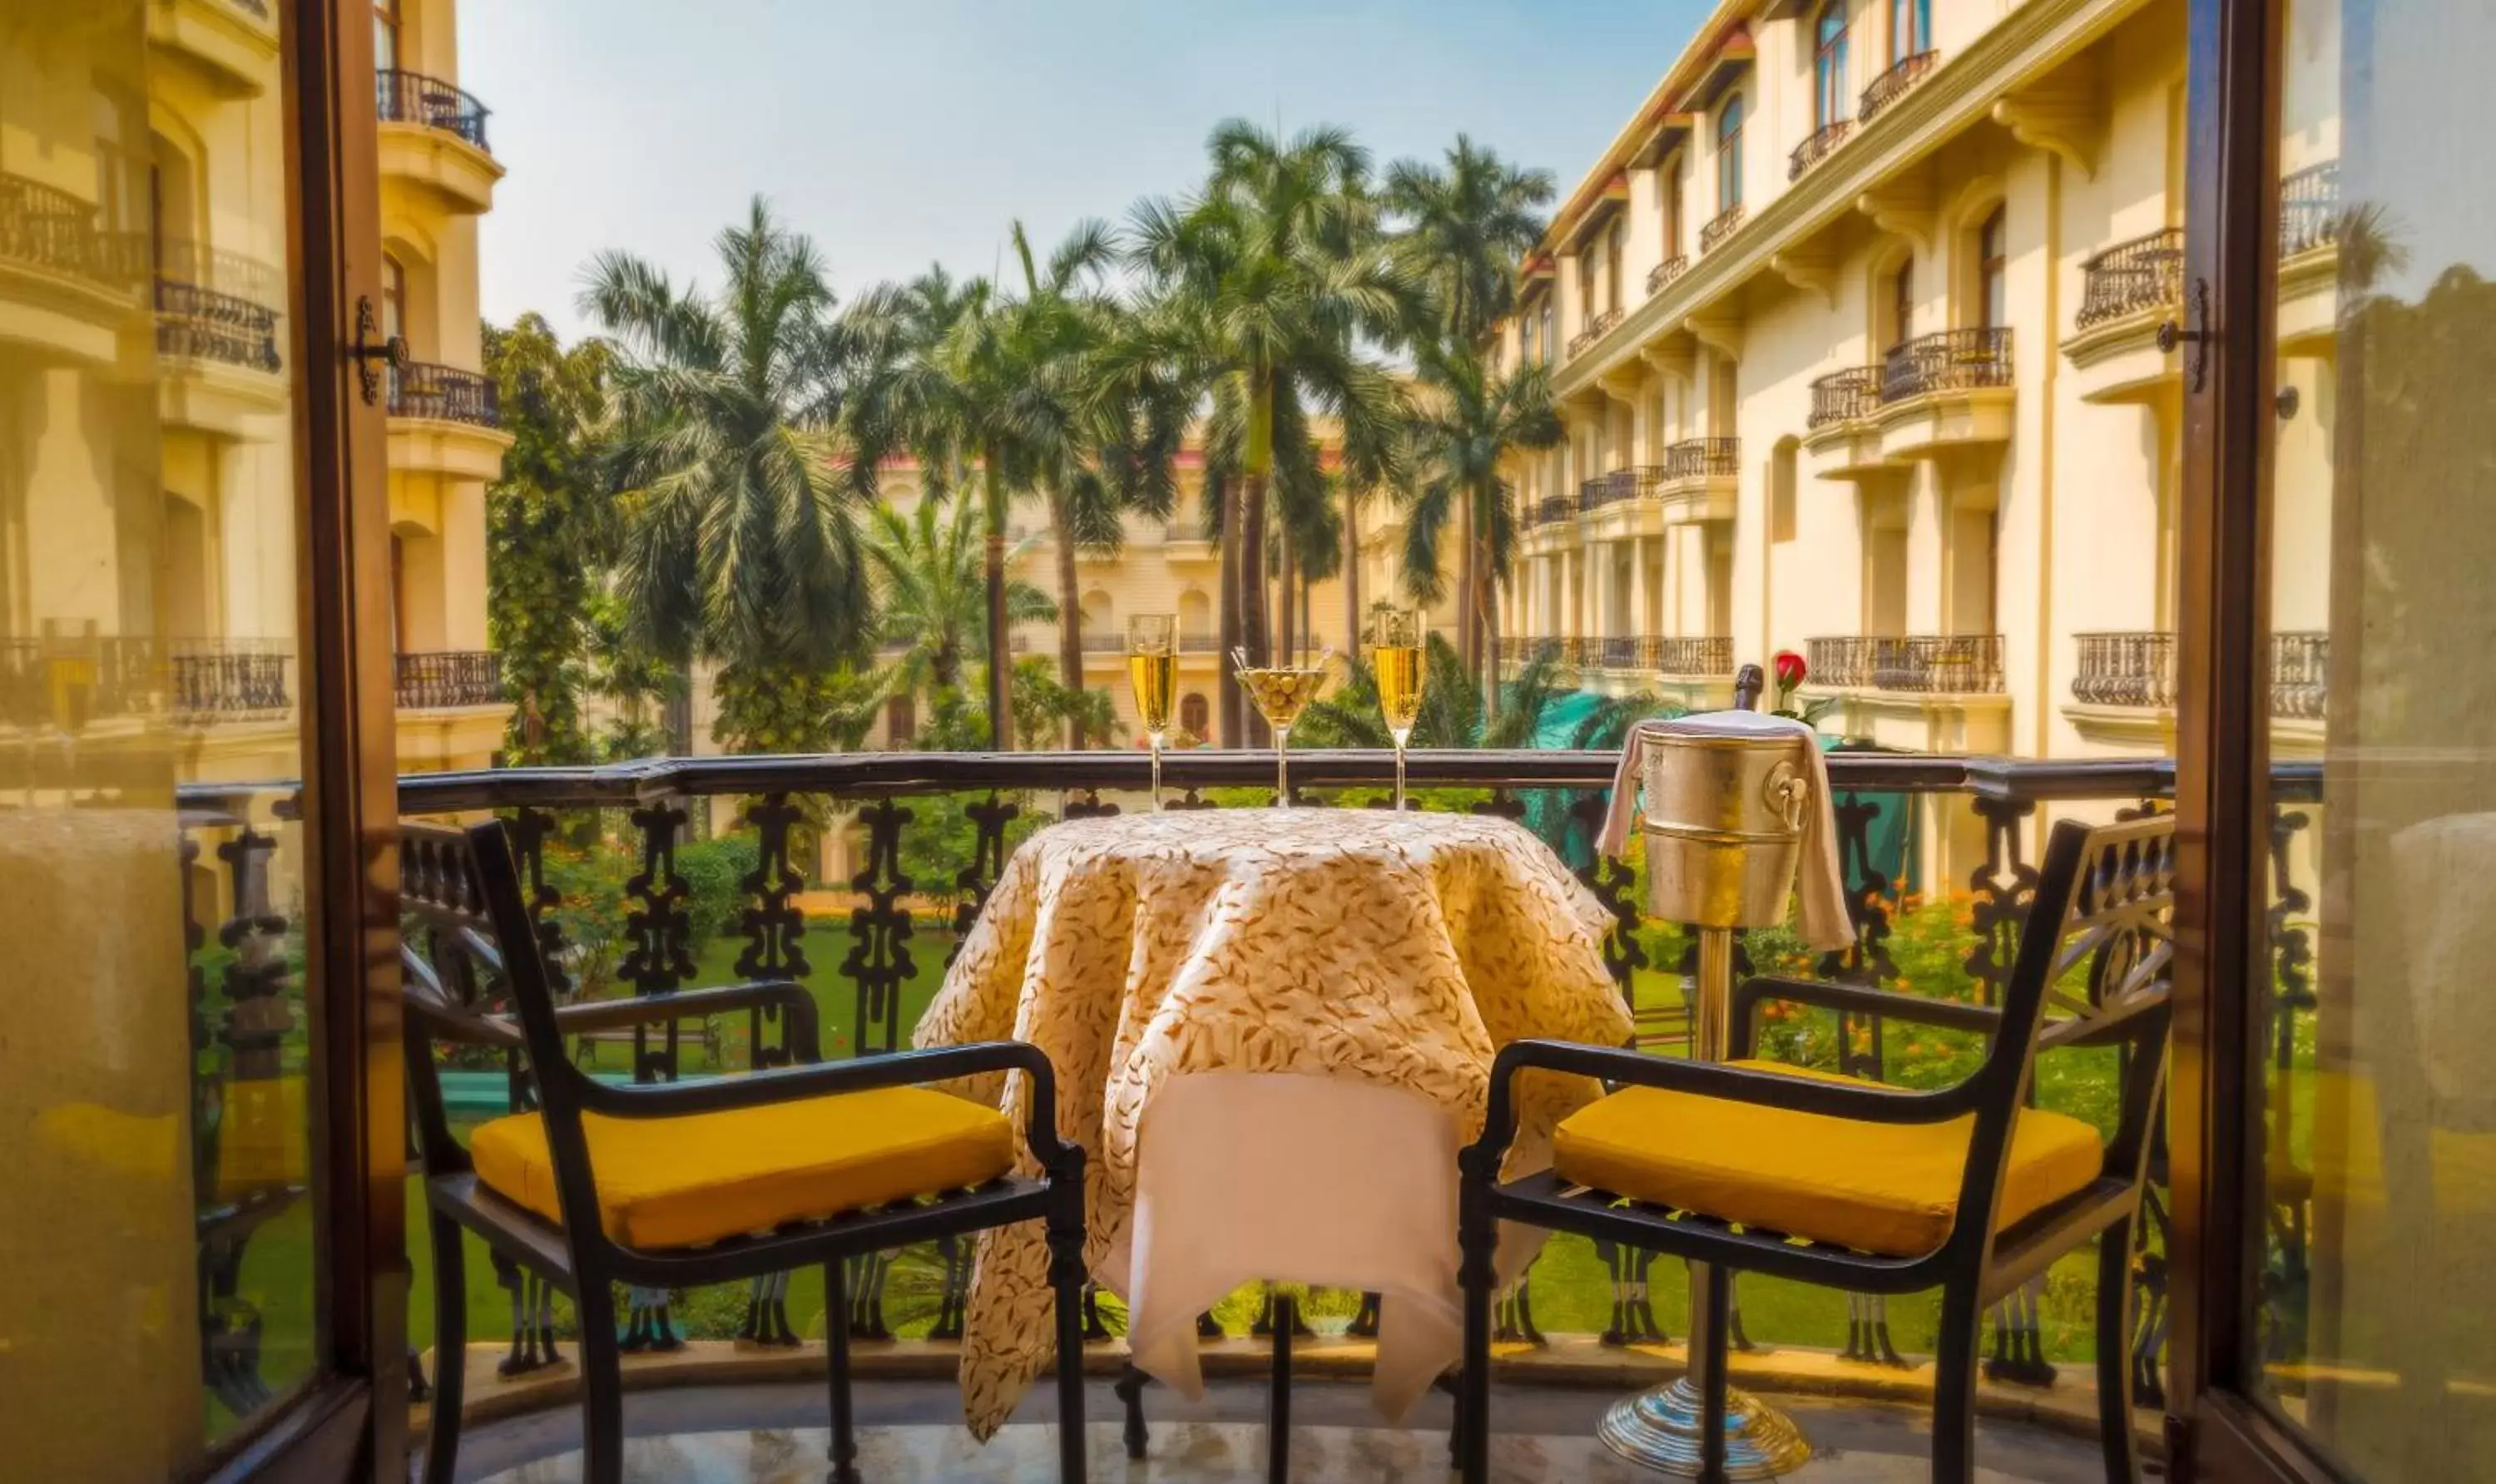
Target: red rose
1791	669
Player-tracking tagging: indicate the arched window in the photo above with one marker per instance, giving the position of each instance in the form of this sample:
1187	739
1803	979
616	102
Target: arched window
1911	29
1194	715
1673	209
1729	155
1543	353
1828	65
1902	302
385	35
1991	257
394	296
1612	267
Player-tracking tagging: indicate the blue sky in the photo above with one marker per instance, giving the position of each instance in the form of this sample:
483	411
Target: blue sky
899	132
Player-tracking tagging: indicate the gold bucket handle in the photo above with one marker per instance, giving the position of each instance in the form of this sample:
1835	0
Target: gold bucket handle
1787	791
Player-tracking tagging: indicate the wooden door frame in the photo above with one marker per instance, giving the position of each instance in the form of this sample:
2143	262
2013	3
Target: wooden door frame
2216	1432
350	1424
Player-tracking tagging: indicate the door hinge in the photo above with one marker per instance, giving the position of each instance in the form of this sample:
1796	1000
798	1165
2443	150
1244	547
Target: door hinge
2171	335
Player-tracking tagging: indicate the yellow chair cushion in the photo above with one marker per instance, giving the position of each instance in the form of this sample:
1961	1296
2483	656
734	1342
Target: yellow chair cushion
700	1177
263	1139
1891	1188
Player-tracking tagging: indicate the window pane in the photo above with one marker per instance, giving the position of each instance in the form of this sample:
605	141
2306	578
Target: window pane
2380	1173
154	1050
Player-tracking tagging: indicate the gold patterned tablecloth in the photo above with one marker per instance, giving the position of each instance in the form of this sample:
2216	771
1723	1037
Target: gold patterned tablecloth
1400	950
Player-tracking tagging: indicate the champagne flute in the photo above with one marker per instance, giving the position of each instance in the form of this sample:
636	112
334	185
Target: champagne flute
1281	693
1152	668
1396	637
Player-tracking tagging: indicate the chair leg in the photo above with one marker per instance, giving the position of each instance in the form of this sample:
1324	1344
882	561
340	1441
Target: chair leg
450	1350
1278	1398
836	1346
2114	1354
1129	1388
1954	1386
1476	1239
1067	1277
601	1386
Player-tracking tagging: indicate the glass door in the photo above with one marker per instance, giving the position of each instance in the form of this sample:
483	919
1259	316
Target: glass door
191	1124
2333	1102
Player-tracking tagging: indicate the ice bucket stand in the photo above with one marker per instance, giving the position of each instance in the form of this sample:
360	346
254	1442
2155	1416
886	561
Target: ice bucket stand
1723	828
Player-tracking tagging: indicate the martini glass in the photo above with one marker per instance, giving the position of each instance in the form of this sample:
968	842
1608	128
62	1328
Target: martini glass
1281	693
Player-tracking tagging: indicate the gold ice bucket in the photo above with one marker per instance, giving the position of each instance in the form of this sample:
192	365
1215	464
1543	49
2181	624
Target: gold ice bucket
1723	821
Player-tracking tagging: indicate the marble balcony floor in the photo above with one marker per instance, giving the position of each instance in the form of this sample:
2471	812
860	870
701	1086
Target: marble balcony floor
911	1432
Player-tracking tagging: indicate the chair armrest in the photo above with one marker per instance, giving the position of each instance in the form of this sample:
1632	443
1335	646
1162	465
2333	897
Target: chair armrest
862	1075
1851	999
804	1044
2133	1018
1705	1079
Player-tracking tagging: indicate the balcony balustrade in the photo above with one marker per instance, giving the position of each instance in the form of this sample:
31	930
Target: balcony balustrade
1824	142
2301	672
198	323
1592	493
906	803
217	680
1894	84
1727	222
445	394
1947	361
1924	664
2309	208
1843	397
1620	652
1701	459
1704	655
2143	274
442	679
1199	643
1595	329
2125	669
412	98
1665	273
1556	509
45	227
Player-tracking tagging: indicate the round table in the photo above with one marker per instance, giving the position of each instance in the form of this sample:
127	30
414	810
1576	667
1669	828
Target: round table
1256	949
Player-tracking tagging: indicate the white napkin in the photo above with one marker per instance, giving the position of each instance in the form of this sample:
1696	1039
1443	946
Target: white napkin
1824	923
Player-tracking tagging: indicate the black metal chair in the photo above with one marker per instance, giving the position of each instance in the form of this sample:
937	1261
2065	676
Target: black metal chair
1844	1183
875	1167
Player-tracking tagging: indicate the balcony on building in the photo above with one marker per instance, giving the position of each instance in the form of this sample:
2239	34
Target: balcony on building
1948	390
2124	687
223	681
1701	479
447	421
448	680
1821	143
1841	432
231	45
1661	276
1916	691
433	138
69	287
1894	84
1720	228
217	341
1596	328
2311	224
2128	292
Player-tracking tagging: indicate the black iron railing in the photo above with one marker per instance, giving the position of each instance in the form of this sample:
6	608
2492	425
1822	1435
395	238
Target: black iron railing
1725	223
1893	85
1947	361
1619	652
1850	395
211	680
2143	274
195	322
1932	665
1554	509
1705	654
443	678
2125	669
1595	329
1593	492
2300	671
46	228
445	394
1665	272
1821	143
412	98
70	680
2309	208
1702	458
1639	480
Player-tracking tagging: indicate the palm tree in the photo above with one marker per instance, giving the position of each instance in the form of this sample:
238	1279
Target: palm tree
1463	229
929	589
749	440
1466	422
1264	286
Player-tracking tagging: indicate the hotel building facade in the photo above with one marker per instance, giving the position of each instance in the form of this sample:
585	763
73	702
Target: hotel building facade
1857	331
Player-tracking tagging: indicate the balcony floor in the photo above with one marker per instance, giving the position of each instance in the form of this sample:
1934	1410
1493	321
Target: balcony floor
911	1429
